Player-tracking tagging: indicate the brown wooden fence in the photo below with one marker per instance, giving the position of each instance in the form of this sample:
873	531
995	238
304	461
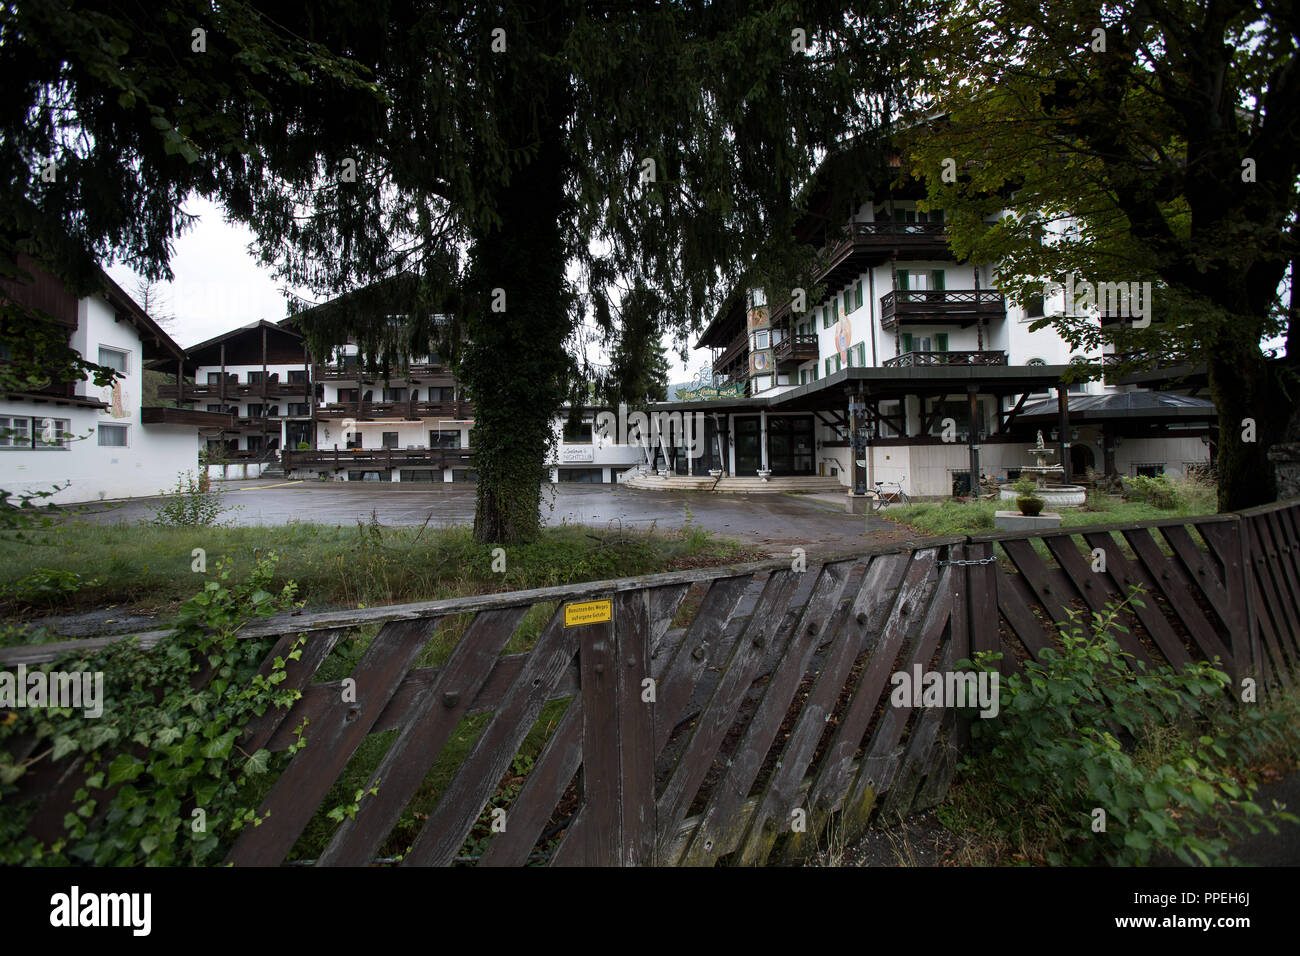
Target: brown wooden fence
717	715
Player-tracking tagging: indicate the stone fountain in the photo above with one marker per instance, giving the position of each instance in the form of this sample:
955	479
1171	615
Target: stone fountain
1053	493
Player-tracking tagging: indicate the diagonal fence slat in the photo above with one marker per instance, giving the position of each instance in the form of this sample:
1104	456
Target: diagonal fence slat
722	813
857	625
439	710
331	741
474	783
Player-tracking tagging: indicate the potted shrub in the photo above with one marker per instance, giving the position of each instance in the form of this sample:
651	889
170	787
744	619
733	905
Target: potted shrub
1027	499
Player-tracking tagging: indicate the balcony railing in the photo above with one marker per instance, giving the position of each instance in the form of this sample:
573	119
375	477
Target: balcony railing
195	392
930	359
353	371
962	306
379	458
796	348
407	410
731	353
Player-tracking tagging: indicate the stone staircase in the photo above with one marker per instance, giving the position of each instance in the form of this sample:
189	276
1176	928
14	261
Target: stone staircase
736	486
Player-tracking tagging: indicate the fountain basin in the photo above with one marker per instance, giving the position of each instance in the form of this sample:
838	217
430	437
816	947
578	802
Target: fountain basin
1059	496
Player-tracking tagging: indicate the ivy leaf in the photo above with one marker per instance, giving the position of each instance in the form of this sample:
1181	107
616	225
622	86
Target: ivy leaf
63	745
124	767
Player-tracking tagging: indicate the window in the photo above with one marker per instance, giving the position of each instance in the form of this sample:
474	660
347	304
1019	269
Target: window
857	295
254	442
297	376
112	436
348	394
906	343
113	358
902	279
15	433
1148	470
214	378
214	408
1034	308
444	394
256	378
352	439
827	321
444	439
52	432
256	411
390	439
760	339
394	394
592	476
1077	388
762	383
579	434
297	408
862	354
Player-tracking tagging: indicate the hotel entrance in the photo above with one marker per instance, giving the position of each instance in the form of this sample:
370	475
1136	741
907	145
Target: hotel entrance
790	444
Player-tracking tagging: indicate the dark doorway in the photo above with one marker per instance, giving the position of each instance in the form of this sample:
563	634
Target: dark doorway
748	450
1081	459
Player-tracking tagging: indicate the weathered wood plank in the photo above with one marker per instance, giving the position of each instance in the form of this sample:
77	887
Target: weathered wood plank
439	710
1126	578
331	741
635	737
1171	579
721	813
713	723
469	791
856	627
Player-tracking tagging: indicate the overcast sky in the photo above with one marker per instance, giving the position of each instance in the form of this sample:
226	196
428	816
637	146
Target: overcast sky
219	285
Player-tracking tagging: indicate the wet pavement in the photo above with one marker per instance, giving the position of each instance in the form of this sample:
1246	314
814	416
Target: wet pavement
771	521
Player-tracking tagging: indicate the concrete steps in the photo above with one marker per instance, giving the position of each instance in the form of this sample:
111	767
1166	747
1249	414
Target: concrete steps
735	486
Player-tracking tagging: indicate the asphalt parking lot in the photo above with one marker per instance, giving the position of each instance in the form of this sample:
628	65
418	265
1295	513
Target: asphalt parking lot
772	521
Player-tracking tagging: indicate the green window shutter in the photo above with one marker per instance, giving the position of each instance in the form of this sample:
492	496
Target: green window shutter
838	365
936	280
941	341
857	295
814	373
862	354
907	342
828	366
902	280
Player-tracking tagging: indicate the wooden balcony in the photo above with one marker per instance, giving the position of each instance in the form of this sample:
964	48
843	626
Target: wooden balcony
866	243
397	410
949	307
192	392
733	354
354	372
379	458
931	359
795	348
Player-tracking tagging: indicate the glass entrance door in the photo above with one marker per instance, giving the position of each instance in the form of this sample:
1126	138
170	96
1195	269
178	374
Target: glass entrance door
748	452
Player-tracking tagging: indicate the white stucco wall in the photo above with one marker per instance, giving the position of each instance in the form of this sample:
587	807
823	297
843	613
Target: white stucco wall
154	456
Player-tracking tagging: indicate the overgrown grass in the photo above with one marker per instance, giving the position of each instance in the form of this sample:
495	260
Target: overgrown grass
1193	496
152	569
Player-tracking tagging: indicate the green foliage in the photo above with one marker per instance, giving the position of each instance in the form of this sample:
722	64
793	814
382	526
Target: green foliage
46	587
1025	487
1087	727
166	745
1147	163
1157	491
193	503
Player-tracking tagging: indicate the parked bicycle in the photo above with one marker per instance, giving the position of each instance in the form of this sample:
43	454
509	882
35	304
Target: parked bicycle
888	493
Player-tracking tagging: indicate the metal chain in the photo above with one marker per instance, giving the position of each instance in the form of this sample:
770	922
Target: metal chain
941	564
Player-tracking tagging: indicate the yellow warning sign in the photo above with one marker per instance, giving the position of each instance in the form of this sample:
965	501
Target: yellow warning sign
588	612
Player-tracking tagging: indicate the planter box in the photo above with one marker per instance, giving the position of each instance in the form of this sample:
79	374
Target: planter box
1015	521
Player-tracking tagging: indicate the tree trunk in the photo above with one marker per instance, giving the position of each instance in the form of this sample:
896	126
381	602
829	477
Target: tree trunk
515	365
1245	389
